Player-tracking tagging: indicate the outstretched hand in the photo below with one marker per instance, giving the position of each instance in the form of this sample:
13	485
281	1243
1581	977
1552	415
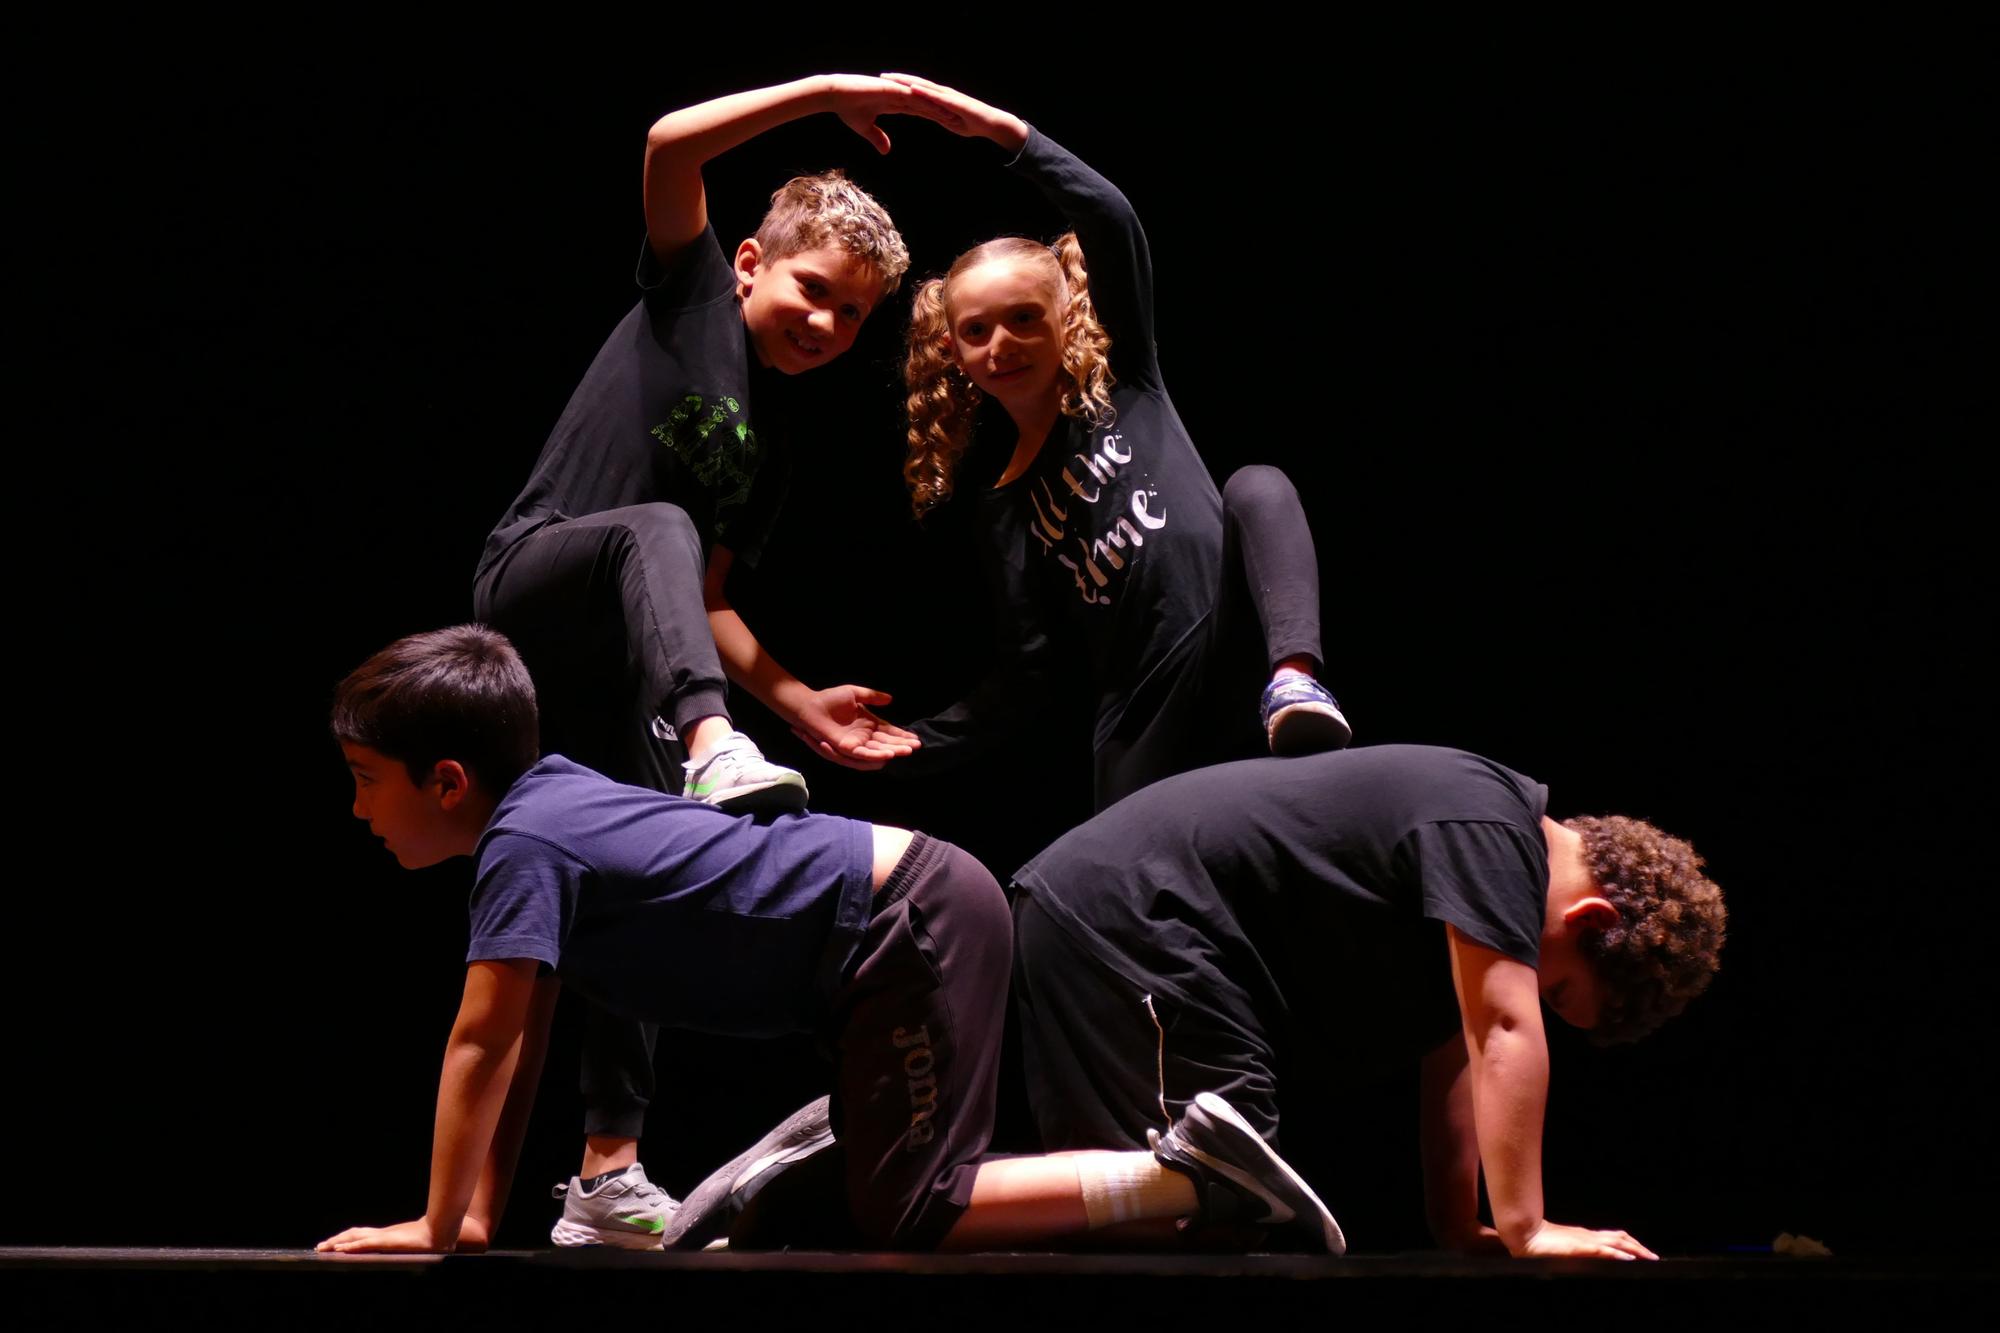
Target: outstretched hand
858	99
1549	1241
962	114
837	724
413	1237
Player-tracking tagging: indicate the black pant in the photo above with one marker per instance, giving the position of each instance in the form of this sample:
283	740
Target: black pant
1201	708
606	611
1108	1054
917	1045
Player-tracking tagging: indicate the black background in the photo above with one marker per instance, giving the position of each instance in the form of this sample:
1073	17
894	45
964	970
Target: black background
1618	372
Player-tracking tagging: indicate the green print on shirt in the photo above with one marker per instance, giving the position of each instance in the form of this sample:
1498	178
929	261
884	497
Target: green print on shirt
714	441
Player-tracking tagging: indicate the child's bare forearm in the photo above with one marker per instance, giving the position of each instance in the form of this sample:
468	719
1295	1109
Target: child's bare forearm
1449	1134
680	142
1510	1089
496	1178
709	129
471	1093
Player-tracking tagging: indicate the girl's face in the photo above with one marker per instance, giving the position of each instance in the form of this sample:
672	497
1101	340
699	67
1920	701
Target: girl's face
1006	332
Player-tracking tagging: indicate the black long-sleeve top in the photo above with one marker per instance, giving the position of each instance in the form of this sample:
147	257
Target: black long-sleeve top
1105	556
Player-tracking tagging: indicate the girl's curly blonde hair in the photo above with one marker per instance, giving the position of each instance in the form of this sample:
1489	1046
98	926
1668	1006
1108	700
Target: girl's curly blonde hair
943	401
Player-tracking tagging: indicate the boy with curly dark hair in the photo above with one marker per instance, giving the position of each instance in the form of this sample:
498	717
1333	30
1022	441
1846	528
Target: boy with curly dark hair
1397	902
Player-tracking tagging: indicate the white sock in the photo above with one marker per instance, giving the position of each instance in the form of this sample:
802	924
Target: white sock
1131	1187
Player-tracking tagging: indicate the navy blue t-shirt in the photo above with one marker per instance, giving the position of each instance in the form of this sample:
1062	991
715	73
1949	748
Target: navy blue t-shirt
667	910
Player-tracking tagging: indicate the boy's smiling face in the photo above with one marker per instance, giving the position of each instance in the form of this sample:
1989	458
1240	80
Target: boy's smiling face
412	820
805	309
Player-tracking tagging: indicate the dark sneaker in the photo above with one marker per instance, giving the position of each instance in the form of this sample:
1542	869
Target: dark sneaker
706	1212
738	778
1302	717
1239	1179
627	1211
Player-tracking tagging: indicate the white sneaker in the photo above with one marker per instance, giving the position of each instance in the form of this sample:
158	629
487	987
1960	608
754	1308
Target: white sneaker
712	1204
736	777
627	1211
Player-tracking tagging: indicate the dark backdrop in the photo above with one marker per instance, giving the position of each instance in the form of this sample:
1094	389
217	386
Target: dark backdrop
1617	374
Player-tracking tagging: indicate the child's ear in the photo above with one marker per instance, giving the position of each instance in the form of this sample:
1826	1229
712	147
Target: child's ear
1592	914
749	258
454	783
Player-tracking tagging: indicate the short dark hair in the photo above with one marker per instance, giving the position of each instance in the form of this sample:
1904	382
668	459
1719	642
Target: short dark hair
459	693
1665	947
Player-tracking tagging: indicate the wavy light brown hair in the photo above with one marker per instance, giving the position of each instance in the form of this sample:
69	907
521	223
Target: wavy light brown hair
943	401
829	209
1671	924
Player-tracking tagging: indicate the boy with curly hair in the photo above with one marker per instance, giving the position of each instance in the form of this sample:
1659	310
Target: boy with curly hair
1350	909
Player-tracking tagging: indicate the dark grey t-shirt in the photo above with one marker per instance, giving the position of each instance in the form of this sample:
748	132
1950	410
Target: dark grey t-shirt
664	414
668	910
1319	884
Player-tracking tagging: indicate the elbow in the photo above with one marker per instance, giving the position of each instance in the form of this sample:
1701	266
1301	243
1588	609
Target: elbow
479	1043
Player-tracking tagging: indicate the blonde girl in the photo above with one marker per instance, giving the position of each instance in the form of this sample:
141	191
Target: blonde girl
1034	390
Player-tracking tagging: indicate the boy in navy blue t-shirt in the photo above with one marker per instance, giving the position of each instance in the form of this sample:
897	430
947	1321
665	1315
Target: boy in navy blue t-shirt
664	909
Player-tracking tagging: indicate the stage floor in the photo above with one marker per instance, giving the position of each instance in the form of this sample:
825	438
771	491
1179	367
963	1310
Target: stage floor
75	1287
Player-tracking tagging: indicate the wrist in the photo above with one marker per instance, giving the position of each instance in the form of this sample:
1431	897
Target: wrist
790	698
1519	1234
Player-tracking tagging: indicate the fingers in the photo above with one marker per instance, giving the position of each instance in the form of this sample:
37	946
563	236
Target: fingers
862	694
834	755
919	81
947	106
1629	1245
869	130
877	744
348	1241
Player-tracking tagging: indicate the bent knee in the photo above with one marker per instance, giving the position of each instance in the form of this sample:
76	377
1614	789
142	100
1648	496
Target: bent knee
656	521
1257	484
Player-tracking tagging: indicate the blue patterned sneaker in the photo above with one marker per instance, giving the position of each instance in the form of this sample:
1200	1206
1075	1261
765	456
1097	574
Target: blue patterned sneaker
1238	1178
627	1212
736	777
709	1208
1301	717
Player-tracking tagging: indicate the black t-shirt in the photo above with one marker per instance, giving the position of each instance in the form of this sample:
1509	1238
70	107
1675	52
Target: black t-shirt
670	910
664	413
1109	548
1318	884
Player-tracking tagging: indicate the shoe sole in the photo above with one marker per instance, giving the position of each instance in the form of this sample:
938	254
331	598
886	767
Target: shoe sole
1219	1110
1310	728
779	795
570	1235
704	1213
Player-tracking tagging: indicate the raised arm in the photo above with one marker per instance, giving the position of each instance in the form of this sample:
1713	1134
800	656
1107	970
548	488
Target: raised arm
1114	245
681	142
479	1064
1507	1052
